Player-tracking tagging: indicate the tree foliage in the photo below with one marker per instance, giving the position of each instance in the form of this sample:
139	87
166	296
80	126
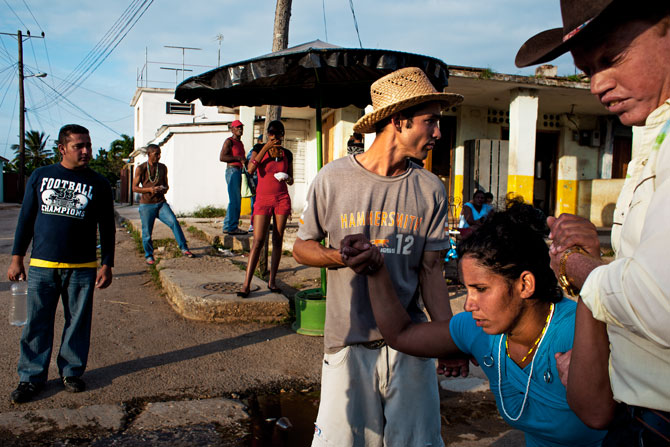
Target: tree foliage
36	154
110	162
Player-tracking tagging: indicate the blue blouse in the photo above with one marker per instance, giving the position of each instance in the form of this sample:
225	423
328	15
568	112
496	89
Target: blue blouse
546	420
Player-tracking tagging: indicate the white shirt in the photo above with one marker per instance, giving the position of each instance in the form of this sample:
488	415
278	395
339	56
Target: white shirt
632	294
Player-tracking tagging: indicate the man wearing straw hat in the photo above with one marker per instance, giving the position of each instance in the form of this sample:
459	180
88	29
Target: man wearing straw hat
620	361
370	393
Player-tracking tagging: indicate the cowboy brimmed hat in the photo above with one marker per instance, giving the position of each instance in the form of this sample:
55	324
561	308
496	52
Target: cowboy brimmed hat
400	90
578	15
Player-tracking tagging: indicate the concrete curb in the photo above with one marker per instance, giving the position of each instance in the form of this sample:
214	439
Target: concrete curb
193	301
111	419
187	295
93	418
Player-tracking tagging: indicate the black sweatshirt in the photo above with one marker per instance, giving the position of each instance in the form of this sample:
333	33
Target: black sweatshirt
62	210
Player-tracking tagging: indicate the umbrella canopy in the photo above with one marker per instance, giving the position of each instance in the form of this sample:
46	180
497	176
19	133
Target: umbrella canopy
315	74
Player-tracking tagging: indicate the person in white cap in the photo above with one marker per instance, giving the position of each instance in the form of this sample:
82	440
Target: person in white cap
372	394
620	362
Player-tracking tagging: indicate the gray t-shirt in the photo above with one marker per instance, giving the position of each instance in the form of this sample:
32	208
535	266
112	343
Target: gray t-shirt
403	215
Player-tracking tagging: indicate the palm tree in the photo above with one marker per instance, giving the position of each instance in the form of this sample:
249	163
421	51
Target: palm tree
36	154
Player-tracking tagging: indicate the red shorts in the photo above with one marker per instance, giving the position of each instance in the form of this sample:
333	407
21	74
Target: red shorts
271	205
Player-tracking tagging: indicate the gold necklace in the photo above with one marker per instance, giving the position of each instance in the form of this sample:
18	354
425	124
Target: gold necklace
530	375
155	179
544	329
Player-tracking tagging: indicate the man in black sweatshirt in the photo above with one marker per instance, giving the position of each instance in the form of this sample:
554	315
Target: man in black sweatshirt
64	206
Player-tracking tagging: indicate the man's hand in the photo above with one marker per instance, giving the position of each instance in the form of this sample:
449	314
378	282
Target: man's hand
16	271
360	255
563	366
454	366
569	230
104	278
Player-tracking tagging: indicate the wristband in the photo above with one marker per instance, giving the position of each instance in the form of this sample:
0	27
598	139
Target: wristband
254	162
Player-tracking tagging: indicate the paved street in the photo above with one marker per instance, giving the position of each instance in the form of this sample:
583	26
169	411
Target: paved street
142	351
157	378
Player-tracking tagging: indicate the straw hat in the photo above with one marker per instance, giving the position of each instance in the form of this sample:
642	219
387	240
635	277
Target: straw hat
400	90
578	15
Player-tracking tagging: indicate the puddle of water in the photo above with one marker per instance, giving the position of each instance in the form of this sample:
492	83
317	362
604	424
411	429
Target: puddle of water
269	416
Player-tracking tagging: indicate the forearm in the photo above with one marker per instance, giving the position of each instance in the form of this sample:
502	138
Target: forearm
314	254
107	241
579	266
589	392
419	339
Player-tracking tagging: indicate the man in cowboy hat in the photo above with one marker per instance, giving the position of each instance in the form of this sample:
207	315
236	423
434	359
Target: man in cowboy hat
370	393
622	336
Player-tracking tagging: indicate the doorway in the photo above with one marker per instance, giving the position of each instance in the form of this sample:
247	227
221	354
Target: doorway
546	157
440	159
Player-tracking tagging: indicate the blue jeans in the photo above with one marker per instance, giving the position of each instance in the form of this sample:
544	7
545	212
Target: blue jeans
234	181
148	213
45	287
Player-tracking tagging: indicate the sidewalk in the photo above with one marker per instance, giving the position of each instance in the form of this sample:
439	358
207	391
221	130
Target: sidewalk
205	288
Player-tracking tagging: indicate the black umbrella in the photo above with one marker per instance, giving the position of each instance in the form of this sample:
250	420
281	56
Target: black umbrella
315	74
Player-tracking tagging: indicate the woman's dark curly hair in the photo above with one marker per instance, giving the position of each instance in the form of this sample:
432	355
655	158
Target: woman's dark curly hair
512	241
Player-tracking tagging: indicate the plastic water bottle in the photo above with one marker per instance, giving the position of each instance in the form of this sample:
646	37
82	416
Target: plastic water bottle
17	313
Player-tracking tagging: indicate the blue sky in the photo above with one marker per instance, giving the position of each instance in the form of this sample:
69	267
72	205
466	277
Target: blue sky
477	33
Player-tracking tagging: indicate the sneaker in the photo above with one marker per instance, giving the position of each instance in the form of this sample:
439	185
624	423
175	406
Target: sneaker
251	228
237	231
74	384
150	260
25	392
188	254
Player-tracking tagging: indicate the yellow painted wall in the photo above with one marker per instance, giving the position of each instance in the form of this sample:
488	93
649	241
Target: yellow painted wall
597	199
245	208
521	185
458	195
566	196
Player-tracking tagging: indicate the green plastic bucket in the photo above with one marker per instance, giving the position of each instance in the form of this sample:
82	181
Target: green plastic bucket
310	312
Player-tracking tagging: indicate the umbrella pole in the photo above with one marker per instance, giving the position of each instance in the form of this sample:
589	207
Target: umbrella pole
319	165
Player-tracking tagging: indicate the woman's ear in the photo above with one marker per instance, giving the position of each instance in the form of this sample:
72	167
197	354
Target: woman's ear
526	284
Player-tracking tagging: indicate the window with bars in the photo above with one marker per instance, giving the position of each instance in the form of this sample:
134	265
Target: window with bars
297	148
176	108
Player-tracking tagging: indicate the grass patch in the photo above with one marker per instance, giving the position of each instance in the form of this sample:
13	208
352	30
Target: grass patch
153	270
210	211
197	233
170	246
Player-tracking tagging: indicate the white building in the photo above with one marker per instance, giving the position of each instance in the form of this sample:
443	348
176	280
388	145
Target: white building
542	137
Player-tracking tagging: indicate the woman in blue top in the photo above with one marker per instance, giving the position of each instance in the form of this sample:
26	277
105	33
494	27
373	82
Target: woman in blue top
516	320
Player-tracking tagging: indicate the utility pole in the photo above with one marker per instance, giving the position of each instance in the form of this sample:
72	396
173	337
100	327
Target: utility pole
22	109
22	124
279	42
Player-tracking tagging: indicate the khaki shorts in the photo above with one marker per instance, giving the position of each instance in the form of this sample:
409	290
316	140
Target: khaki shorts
377	397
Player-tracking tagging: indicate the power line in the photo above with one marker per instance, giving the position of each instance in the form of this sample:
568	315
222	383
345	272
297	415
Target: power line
102	41
8	80
51	72
81	110
351	5
31	13
17	16
122	101
102	56
325	26
9	128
